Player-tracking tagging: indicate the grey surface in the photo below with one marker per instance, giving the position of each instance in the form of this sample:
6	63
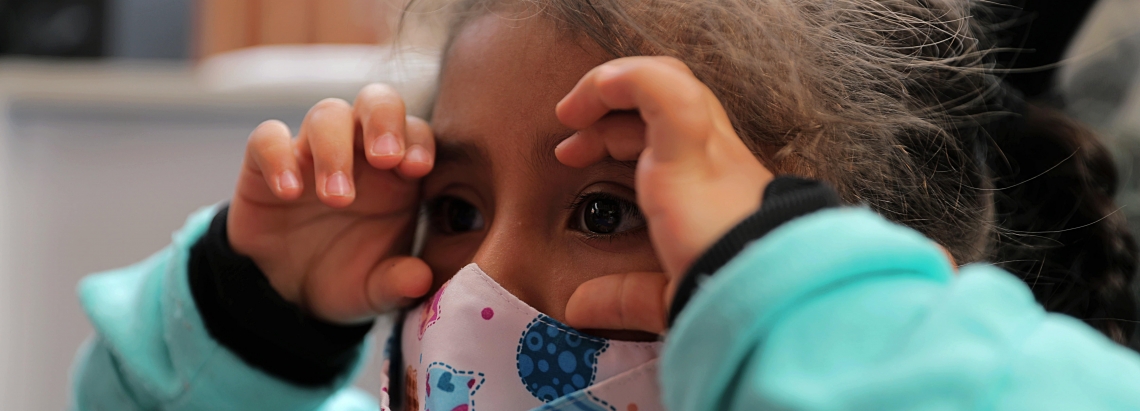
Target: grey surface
89	185
90	193
99	163
152	29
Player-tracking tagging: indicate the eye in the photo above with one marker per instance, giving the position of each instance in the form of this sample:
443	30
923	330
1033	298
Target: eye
603	214
452	215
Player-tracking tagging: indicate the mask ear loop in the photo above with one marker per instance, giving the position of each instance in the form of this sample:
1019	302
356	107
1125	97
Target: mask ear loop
396	378
396	389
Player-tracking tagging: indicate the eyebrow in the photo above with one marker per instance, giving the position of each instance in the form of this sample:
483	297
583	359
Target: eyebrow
451	152
540	159
542	151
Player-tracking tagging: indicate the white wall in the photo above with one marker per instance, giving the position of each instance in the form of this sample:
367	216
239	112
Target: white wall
99	164
91	189
7	309
96	178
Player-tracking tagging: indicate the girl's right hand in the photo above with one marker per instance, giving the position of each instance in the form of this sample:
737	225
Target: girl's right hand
328	216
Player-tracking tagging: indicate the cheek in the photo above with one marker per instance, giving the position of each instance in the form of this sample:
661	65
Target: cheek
593	258
590	262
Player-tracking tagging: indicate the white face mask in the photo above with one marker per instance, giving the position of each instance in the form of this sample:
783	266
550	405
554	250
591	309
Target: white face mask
474	346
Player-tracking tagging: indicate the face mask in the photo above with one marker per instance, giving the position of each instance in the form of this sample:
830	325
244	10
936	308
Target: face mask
474	346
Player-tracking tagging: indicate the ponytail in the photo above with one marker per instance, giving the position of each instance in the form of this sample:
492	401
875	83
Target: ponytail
1058	227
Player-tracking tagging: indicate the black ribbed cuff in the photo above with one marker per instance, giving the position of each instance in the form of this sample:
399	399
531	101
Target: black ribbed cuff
244	313
785	199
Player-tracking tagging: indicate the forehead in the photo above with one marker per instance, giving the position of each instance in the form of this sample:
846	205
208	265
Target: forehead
502	78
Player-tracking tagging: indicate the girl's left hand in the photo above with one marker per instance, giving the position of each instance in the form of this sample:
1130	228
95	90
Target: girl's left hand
695	178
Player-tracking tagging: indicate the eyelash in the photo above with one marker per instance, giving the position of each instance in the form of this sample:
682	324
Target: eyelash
627	206
430	211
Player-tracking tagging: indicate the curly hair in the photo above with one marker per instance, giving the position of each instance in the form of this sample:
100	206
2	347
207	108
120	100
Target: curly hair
898	104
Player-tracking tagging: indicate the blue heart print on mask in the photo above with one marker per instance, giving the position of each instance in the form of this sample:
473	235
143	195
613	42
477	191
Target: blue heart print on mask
556	360
449	389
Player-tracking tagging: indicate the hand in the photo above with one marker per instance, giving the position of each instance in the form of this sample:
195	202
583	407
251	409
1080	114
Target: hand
329	215
695	178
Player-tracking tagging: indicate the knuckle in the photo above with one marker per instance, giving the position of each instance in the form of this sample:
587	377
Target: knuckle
329	106
691	94
377	90
414	121
612	80
266	131
378	121
272	124
378	94
380	107
674	63
418	128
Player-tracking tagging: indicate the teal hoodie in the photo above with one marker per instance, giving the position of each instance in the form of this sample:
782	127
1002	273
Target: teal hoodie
837	310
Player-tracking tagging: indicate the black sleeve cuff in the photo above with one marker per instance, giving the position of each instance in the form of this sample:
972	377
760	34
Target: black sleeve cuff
785	199
245	314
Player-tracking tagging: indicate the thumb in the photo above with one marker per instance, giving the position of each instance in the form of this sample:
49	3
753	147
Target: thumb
628	301
396	282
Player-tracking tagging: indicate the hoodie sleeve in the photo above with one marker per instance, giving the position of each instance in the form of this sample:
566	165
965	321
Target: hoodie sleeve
152	350
843	310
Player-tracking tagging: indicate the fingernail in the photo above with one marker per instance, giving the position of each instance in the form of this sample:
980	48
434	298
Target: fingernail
385	145
287	181
417	154
337	185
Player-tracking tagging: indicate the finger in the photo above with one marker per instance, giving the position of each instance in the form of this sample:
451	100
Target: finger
269	152
629	301
620	85
381	114
620	135
393	283
677	108
397	282
420	154
329	131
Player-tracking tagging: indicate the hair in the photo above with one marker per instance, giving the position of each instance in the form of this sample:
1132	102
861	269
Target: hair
897	103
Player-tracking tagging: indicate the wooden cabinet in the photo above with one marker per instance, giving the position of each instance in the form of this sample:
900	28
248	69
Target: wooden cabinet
224	25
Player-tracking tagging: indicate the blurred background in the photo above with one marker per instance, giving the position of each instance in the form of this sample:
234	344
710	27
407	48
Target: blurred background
120	117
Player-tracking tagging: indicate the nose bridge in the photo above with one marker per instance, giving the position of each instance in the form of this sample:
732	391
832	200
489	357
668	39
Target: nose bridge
511	253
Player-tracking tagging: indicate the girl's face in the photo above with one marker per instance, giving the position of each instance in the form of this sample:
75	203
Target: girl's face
497	196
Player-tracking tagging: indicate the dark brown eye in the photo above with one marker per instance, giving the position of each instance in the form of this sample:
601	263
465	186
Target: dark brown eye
452	215
604	214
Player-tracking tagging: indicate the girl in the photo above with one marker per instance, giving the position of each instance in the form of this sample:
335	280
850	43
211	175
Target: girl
569	179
